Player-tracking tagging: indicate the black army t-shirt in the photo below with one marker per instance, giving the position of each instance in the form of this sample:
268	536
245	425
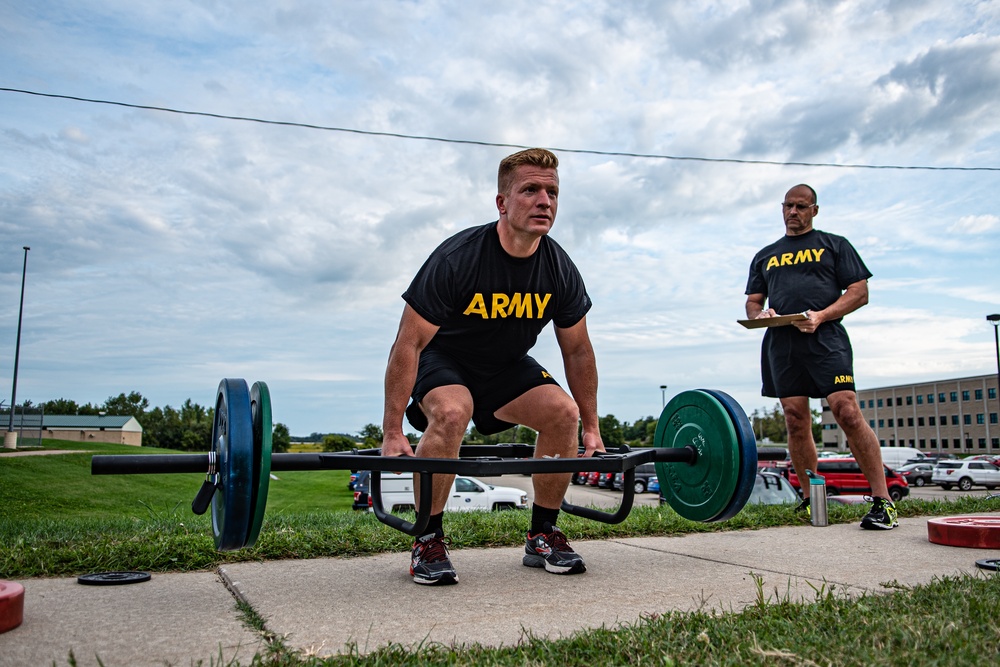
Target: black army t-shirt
490	307
805	272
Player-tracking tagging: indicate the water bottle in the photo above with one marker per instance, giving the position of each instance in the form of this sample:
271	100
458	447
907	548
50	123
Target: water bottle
817	499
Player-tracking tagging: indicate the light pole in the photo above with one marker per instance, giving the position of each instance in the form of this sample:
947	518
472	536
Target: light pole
10	438
995	319
663	396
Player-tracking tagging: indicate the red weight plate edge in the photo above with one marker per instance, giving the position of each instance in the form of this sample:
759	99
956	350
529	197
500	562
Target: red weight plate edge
11	605
975	532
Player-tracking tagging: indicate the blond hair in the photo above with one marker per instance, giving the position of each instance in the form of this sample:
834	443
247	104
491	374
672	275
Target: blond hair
536	157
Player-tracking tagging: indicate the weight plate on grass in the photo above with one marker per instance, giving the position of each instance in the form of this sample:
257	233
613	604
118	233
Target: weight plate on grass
988	564
747	475
977	532
260	410
699	491
112	578
232	442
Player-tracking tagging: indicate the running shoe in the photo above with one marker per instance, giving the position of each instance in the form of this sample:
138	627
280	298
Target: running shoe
429	563
882	516
549	549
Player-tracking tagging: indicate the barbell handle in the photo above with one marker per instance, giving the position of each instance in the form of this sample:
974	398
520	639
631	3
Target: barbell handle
419	526
628	495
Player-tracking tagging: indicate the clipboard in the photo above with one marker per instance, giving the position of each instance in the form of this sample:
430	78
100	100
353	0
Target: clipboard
779	321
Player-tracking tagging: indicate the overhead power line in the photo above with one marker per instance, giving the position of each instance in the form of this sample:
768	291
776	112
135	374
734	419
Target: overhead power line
472	142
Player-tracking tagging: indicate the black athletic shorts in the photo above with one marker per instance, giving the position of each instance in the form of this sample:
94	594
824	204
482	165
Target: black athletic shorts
489	393
798	364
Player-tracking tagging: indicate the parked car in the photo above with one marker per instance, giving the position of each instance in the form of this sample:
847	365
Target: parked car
654	484
467	493
606	480
769	488
353	480
580	477
593	478
931	457
917	474
361	501
992	458
844	475
642	474
965	474
772	489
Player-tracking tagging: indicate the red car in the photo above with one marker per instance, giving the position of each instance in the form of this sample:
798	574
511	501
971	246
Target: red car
843	475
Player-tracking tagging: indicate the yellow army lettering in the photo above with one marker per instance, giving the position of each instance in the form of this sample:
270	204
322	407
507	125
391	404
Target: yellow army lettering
520	305
844	379
789	258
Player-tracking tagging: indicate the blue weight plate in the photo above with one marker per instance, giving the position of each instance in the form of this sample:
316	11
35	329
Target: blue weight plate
260	406
232	442
748	454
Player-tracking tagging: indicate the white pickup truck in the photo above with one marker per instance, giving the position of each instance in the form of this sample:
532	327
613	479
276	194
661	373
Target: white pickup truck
467	493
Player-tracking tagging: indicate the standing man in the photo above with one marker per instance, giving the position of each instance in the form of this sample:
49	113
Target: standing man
810	271
472	313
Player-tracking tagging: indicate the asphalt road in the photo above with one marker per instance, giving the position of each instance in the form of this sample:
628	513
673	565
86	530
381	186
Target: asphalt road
588	495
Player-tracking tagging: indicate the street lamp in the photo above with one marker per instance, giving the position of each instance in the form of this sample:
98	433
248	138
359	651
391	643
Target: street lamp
10	439
663	396
995	319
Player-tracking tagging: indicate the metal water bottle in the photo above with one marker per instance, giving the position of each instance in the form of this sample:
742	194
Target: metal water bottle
817	499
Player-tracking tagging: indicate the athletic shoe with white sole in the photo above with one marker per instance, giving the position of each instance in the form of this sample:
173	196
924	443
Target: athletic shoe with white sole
549	549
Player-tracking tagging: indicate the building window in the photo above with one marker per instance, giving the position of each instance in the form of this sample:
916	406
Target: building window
944	443
941	397
954	420
991	392
920	421
954	397
881	423
933	442
891	424
982	443
930	399
965	395
880	402
980	418
995	442
967	419
871	422
979	394
909	400
909	421
993	418
958	442
931	421
899	400
920	399
923	443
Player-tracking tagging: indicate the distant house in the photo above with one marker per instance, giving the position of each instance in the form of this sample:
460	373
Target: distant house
123	430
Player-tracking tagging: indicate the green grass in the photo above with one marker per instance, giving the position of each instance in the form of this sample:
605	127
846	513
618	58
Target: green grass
56	519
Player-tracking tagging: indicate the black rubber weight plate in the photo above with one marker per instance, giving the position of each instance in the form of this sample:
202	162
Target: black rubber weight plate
988	564
112	578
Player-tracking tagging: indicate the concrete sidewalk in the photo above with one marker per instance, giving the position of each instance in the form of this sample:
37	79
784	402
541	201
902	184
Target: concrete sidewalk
320	606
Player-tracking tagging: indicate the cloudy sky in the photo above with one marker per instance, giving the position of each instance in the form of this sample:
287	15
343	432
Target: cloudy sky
171	250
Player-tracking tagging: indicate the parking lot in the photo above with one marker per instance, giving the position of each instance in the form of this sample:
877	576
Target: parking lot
589	495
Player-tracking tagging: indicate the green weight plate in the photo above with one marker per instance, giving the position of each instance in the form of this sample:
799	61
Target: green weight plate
699	491
260	409
232	442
